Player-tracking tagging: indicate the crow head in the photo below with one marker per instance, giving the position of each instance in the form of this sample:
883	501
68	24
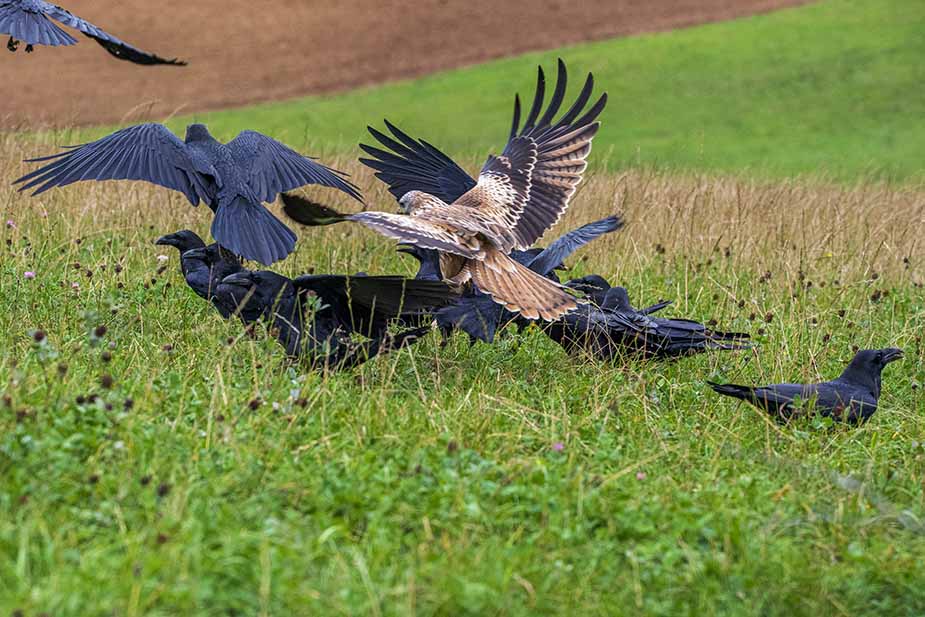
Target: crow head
618	299
593	285
197	132
183	240
866	366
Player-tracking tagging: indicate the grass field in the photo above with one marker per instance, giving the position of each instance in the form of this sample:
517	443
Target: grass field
832	89
194	472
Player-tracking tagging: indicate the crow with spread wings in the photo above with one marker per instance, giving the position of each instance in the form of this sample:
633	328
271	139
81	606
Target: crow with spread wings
475	224
233	179
30	21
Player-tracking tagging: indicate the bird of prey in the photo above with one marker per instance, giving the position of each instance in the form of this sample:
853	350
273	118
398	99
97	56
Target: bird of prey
233	179
202	266
30	22
615	326
852	397
314	316
476	314
475	224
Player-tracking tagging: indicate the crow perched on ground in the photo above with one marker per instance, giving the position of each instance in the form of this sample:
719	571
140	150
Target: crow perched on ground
203	266
333	307
615	326
475	224
476	314
30	21
850	398
232	179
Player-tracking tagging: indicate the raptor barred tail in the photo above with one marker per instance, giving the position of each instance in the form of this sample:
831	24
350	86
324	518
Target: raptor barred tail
519	289
249	230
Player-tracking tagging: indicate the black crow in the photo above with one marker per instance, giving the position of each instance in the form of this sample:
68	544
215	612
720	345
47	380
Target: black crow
232	179
850	398
615	326
30	21
595	287
480	317
203	266
314	316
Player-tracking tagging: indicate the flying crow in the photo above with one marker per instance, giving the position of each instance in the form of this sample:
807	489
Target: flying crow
232	179
30	21
850	398
314	316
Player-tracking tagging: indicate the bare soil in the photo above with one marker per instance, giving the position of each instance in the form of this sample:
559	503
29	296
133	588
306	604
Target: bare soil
247	51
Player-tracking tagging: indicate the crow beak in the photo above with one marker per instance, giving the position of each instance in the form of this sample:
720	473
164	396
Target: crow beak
238	279
168	240
892	354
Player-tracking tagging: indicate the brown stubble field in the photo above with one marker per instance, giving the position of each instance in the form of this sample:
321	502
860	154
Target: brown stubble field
243	52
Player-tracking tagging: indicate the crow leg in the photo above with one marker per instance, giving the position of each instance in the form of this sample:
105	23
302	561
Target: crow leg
29	49
12	44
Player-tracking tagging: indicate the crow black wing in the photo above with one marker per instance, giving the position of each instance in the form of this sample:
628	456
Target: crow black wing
271	168
557	252
115	46
148	152
26	21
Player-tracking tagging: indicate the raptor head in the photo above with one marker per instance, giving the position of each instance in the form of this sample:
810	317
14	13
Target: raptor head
412	200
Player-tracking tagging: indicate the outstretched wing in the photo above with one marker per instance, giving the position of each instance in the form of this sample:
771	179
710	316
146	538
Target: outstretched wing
415	165
529	186
30	25
419	232
271	168
148	152
115	46
557	252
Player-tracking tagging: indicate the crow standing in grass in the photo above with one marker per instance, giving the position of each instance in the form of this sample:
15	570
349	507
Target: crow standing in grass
203	266
232	179
30	21
314	316
475	224
616	327
851	398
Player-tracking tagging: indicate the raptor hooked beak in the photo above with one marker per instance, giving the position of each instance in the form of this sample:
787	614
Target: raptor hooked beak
892	354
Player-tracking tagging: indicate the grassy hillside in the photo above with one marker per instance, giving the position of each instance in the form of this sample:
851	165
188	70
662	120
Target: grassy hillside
833	88
207	476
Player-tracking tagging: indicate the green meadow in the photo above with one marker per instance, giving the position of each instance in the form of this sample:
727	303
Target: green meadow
156	460
833	88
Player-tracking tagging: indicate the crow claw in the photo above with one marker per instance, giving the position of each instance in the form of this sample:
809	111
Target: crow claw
29	49
12	44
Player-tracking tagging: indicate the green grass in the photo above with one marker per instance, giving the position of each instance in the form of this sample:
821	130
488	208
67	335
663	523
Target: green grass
429	482
834	88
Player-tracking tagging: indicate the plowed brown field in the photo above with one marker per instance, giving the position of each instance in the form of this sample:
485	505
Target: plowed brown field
246	51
